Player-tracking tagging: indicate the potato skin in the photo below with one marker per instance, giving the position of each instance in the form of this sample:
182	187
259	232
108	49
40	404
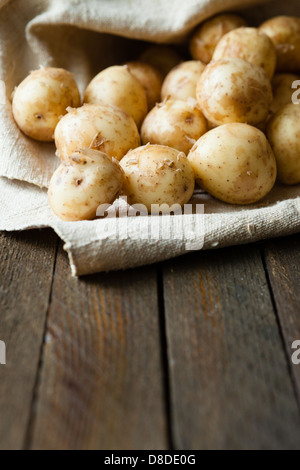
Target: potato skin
78	186
282	90
181	81
283	132
117	86
249	44
163	58
234	163
156	174
41	99
101	127
232	90
209	33
150	78
284	31
174	123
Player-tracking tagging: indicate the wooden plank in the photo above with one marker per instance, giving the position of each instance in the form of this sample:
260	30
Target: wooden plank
26	270
230	386
282	258
101	384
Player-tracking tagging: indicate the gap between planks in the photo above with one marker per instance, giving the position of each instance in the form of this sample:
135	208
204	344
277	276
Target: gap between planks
281	259
30	425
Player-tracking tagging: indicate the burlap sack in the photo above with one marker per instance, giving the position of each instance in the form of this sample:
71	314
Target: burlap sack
84	37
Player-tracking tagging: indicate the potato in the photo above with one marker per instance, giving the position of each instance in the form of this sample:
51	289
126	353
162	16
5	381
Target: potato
118	87
150	78
181	81
209	33
282	90
100	127
163	58
284	31
234	163
249	44
80	185
156	174
177	124
283	132
41	99
232	90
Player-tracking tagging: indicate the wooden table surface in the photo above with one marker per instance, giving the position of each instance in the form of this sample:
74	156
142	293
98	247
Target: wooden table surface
193	353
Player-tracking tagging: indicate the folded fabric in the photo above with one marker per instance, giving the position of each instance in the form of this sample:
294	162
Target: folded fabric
85	37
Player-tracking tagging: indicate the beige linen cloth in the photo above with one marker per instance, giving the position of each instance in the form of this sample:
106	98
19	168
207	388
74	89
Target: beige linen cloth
84	37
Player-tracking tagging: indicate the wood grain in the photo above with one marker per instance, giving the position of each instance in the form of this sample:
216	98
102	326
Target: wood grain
282	258
101	385
230	385
26	270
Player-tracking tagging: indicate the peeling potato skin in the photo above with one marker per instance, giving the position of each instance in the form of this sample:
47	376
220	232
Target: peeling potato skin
284	31
181	81
84	182
209	33
282	90
174	123
100	127
118	87
249	44
156	174
163	58
232	90
234	163
41	99
283	132
150	78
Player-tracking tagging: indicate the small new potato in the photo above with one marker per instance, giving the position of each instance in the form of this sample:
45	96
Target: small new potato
209	33
41	99
80	185
284	31
156	175
283	90
163	58
174	123
283	133
118	87
150	78
233	90
99	127
181	81
249	44
234	163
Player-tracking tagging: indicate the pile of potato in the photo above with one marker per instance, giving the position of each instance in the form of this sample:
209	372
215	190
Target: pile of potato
150	128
